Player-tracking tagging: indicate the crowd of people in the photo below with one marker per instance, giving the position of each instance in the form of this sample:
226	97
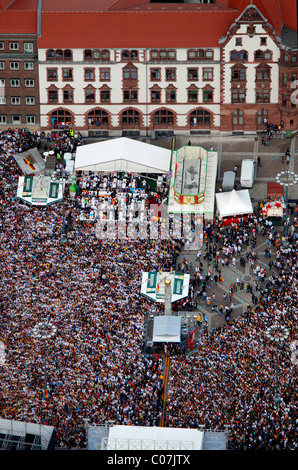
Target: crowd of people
232	380
89	289
272	130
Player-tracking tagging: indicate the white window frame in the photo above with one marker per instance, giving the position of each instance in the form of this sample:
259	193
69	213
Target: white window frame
15	100
27	82
30	119
1	46
15	85
2	65
3	119
13	46
2	99
30	49
208	73
26	65
30	100
18	121
14	65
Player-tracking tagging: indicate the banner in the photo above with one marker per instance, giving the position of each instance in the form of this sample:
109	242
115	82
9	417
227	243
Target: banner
153	285
28	184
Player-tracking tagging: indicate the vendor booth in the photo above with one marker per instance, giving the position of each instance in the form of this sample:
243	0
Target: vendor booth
233	206
192	185
274	209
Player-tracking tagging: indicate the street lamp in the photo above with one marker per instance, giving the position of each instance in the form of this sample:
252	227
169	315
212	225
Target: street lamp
278	334
286	178
44	331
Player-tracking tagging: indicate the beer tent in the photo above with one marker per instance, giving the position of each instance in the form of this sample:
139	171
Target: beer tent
233	204
122	154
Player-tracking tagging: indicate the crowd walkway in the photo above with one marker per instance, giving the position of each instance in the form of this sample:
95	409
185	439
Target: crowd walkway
233	284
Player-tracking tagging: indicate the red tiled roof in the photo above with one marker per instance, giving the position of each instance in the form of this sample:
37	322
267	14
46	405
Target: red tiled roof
273	14
4	4
178	7
73	6
20	17
87	5
127	4
135	23
289	13
23	5
137	29
270	10
277	12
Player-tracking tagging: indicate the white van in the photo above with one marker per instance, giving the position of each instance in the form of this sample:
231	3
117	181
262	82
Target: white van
247	173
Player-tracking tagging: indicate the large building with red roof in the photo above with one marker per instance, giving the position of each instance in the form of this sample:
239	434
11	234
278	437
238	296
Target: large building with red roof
131	67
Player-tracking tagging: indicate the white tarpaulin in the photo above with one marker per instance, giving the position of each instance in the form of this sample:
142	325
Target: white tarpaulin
233	203
166	329
123	437
122	154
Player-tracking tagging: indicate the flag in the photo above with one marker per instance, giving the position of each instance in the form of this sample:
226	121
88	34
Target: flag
29	164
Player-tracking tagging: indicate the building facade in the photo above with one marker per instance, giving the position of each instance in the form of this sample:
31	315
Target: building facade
127	68
19	87
19	100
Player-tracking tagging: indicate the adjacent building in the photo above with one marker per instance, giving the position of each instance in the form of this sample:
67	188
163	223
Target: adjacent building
126	67
19	85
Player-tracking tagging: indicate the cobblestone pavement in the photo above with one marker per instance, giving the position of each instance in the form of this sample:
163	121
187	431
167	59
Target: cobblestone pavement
230	153
231	274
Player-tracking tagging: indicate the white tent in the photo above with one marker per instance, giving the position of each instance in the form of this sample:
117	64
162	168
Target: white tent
233	203
122	437
123	154
166	329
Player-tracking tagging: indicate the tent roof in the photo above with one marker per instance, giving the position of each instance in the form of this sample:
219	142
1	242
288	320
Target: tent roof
167	329
154	437
34	157
123	154
232	203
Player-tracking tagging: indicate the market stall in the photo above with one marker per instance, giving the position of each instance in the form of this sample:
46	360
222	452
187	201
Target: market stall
274	209
233	206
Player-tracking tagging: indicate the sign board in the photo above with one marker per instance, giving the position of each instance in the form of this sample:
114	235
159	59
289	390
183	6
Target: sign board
153	285
39	190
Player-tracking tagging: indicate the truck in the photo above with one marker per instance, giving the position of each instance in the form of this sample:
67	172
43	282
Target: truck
247	176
